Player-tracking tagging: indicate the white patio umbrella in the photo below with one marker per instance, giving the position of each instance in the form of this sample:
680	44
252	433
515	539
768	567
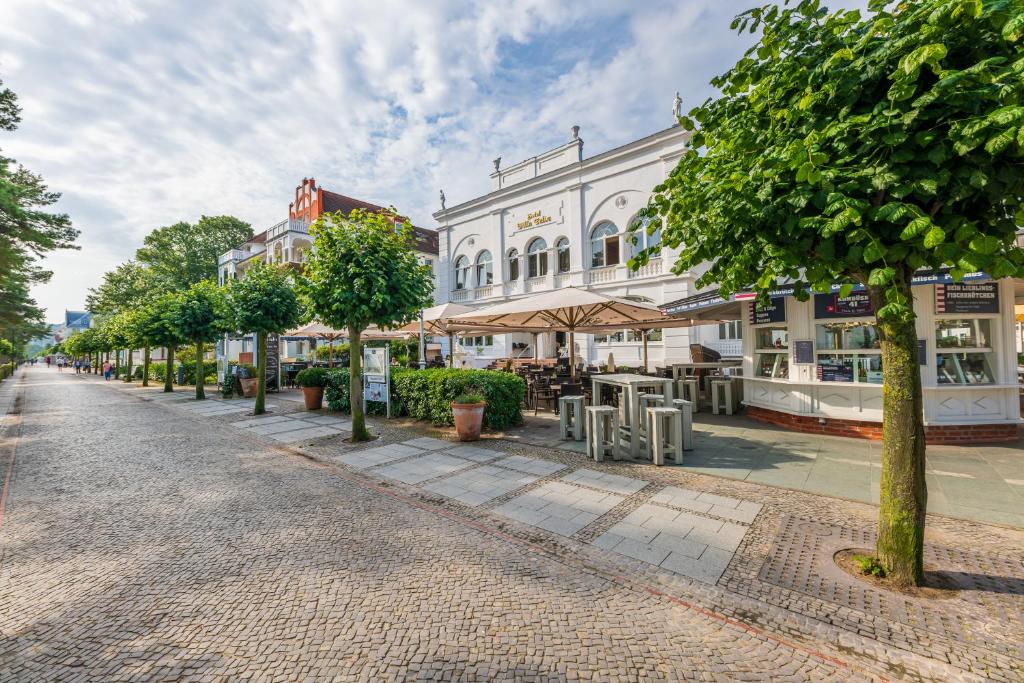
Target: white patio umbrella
568	309
318	330
436	321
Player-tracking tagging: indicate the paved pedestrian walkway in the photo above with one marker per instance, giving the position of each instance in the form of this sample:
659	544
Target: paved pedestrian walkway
136	549
979	483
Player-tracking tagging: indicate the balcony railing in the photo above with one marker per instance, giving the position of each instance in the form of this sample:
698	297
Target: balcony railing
232	255
729	348
291	224
650	269
599	275
459	295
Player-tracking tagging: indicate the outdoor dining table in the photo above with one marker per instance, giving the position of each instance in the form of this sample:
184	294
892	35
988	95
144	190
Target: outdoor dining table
630	385
679	368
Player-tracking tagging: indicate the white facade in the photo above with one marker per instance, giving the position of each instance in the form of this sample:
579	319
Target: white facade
558	220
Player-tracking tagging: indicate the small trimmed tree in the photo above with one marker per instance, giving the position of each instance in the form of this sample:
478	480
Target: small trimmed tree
200	315
363	271
855	151
263	302
159	329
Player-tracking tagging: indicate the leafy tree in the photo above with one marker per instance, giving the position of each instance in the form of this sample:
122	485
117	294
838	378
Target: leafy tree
857	150
127	286
265	303
183	254
199	315
363	271
158	328
27	232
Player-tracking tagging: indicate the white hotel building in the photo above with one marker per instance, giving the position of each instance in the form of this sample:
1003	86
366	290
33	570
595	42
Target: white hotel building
558	220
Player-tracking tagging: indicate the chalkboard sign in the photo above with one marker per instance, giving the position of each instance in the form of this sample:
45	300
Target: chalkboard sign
803	352
922	352
981	297
857	305
773	312
273	374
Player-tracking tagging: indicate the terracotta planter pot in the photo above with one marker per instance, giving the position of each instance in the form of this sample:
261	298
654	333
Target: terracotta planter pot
314	397
468	419
249	386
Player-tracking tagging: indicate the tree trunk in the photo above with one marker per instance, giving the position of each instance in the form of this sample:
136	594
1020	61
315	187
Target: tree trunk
355	386
145	367
169	373
200	373
904	495
261	373
128	365
117	364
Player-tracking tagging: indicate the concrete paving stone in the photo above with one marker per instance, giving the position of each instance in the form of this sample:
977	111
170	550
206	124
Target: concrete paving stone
728	538
304	434
371	457
259	421
479	485
691	519
421	469
605	481
607	540
428	443
474	453
328	421
708	571
637	533
278	427
536	466
673	495
522	514
679	544
642	551
737	514
558	525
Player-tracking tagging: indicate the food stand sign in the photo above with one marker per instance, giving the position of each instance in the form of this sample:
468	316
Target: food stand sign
857	305
377	376
803	352
981	297
273	373
772	312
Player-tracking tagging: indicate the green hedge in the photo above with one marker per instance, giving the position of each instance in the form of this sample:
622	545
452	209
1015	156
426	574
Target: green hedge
158	371
6	370
428	394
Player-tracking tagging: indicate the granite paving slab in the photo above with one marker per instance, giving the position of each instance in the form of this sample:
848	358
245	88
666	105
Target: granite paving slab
559	508
314	432
417	470
328	421
701	501
474	453
259	421
428	443
608	482
541	468
480	484
371	457
278	427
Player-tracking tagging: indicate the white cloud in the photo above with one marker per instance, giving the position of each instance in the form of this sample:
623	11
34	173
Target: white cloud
144	112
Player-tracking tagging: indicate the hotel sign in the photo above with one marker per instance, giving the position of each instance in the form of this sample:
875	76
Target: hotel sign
533	220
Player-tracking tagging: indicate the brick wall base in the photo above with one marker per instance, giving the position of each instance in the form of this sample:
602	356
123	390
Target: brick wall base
859	429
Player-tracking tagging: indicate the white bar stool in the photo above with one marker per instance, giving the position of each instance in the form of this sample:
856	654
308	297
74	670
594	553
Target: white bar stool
721	393
689	389
665	434
686	408
570	418
602	432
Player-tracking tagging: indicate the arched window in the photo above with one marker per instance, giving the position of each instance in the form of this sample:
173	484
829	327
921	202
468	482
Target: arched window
484	269
537	258
604	246
562	249
513	265
461	272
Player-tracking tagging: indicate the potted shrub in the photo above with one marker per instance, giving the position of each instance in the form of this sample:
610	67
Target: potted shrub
468	411
248	381
312	381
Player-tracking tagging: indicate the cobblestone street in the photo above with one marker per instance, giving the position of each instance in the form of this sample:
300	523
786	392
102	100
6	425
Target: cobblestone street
149	537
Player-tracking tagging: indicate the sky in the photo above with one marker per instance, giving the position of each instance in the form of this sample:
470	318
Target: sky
144	113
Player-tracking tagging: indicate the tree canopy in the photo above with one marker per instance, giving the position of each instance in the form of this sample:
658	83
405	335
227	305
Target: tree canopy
263	302
855	150
363	271
183	254
199	315
127	286
27	232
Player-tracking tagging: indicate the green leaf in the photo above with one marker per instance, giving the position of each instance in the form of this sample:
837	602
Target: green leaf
874	251
985	244
1014	28
934	237
916	227
926	54
845	290
879	277
997	143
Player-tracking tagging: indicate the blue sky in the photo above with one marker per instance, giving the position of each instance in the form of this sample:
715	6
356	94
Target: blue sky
143	113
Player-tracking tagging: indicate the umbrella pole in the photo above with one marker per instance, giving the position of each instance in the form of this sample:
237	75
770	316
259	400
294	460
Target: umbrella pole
572	355
535	334
330	353
644	333
451	350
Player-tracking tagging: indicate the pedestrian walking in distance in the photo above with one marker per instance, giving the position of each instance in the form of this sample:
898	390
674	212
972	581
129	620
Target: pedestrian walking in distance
106	370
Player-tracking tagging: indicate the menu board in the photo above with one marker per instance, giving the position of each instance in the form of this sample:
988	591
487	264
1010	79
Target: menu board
981	297
803	352
273	375
835	372
922	352
772	312
857	305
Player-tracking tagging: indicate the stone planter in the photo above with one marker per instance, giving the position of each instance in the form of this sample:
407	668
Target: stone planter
313	397
468	419
250	386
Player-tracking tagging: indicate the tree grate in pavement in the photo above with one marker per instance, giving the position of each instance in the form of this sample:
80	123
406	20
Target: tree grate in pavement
991	586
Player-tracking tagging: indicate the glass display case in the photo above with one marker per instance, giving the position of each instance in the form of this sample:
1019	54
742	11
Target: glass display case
850	367
771	357
846	336
963	351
